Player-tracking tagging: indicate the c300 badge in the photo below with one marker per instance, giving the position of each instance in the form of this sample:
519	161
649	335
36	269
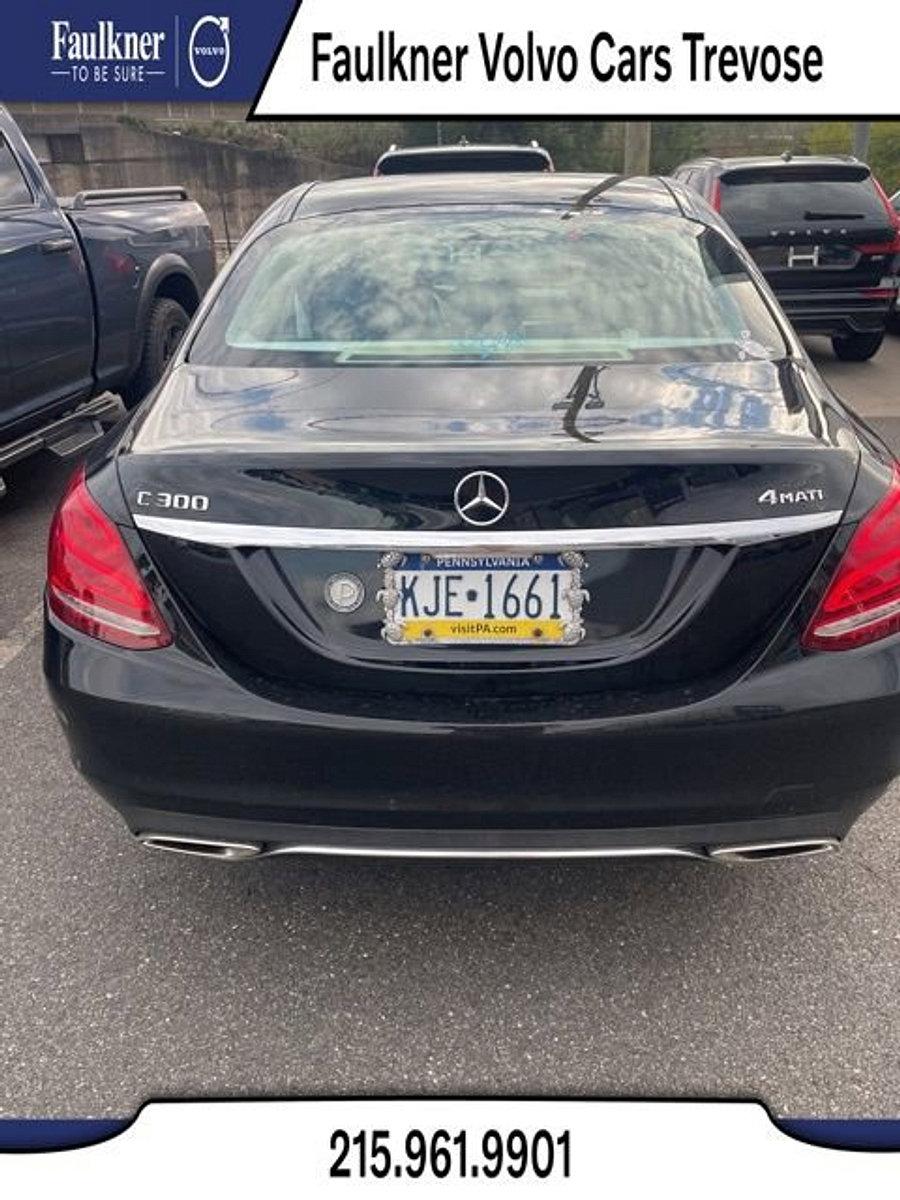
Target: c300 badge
180	501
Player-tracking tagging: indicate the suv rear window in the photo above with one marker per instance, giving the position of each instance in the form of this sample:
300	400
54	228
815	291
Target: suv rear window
780	195
475	285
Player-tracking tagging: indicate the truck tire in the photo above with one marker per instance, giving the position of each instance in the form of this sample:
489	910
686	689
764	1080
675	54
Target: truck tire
858	347
163	330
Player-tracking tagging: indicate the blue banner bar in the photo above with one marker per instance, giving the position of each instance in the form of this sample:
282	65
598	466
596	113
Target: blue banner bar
858	1134
172	50
57	1134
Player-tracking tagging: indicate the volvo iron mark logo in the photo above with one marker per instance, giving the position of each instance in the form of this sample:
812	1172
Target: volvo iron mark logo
209	50
481	498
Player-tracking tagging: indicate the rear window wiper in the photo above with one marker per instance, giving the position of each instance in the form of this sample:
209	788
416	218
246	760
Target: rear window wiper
832	216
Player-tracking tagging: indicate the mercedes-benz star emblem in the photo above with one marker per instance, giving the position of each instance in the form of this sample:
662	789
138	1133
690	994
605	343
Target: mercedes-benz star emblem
481	498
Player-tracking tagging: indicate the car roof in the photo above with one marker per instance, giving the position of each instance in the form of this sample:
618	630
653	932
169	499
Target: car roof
468	147
775	160
482	188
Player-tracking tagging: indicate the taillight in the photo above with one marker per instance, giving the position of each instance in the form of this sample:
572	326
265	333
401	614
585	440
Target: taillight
893	246
880	247
715	197
862	603
92	582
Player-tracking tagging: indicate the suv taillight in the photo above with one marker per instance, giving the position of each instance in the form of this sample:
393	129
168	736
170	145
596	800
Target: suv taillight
93	584
893	246
862	603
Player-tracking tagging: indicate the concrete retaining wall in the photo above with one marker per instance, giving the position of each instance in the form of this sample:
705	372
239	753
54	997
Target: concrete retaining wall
234	184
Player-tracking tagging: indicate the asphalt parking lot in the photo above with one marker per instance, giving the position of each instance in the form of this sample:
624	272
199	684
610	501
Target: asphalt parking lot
128	975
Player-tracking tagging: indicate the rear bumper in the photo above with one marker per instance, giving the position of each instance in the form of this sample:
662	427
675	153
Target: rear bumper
200	756
242	840
836	313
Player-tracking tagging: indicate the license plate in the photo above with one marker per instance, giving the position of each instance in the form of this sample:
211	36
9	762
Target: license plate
460	599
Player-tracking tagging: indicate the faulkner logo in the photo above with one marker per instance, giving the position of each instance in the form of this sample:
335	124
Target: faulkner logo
209	50
105	53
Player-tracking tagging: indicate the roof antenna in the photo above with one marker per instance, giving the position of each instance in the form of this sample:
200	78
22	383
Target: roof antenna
787	156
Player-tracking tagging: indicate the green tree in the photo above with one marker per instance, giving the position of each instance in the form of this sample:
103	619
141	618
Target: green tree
674	142
836	137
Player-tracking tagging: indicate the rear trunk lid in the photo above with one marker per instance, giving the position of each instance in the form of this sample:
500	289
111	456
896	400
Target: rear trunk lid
699	496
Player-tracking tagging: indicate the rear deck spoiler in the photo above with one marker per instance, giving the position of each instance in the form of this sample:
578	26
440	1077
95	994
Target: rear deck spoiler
143	195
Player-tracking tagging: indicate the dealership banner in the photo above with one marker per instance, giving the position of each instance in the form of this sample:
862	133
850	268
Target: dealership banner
403	57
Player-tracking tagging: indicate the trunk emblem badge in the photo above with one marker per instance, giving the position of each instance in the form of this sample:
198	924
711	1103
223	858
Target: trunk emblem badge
344	593
481	498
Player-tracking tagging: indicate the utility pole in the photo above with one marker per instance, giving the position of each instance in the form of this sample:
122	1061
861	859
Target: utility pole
637	148
861	131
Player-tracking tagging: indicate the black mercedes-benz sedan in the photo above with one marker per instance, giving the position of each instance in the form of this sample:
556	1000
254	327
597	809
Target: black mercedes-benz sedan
484	516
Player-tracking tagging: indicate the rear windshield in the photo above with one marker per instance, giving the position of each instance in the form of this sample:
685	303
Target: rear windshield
779	197
502	285
463	160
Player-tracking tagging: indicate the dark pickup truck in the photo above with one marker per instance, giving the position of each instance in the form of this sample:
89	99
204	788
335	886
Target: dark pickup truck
95	293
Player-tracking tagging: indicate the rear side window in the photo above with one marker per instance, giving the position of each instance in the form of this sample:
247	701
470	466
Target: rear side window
470	285
14	190
783	195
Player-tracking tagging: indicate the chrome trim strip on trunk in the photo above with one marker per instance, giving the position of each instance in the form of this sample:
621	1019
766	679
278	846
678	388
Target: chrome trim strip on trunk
298	537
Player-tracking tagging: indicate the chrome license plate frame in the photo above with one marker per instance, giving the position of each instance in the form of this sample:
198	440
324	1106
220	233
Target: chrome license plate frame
483	599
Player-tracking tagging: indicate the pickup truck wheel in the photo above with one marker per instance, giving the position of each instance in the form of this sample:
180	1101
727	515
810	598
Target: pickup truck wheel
858	347
163	330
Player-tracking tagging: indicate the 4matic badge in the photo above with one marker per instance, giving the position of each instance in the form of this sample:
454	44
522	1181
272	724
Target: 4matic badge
801	496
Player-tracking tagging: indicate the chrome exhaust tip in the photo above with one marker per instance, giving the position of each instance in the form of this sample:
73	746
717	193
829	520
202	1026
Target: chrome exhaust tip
766	851
200	847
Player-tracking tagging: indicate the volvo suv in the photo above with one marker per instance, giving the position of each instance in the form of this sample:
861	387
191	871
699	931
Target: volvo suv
824	234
